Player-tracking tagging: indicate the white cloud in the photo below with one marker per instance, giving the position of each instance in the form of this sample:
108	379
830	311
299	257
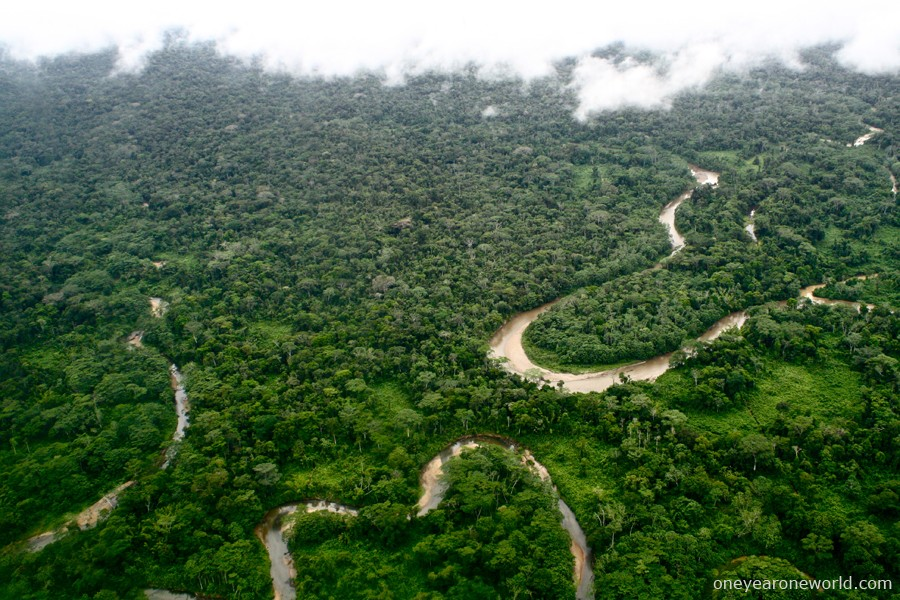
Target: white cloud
397	37
489	111
602	84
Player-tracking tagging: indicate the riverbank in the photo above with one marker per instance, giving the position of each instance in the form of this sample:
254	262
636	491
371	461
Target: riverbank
507	346
271	530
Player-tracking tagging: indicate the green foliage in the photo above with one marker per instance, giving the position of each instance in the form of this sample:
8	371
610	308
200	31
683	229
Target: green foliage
337	252
762	569
497	533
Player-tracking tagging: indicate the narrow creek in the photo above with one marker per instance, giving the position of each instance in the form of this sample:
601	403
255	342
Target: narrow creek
434	488
86	519
271	533
272	528
98	511
873	131
750	227
182	410
667	216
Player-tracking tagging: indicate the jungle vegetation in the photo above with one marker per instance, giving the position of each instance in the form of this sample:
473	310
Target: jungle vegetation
336	254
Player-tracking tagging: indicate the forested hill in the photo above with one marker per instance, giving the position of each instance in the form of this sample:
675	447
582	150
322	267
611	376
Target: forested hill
335	254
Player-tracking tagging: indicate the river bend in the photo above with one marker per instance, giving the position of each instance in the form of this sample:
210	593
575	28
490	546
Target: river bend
271	533
434	488
272	528
506	343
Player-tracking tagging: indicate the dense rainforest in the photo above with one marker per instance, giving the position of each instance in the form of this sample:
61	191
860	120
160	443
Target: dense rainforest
328	258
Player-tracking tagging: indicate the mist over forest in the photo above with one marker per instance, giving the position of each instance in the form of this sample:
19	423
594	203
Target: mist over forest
248	298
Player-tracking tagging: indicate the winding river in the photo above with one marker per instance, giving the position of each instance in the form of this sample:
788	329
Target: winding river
434	487
809	293
182	409
98	511
272	528
865	138
158	308
750	227
667	216
506	344
873	131
271	533
86	519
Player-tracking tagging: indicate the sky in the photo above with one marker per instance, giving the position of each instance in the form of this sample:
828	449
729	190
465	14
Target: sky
522	38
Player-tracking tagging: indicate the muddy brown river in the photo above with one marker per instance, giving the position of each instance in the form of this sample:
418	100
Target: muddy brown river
273	527
506	344
271	533
182	410
667	216
434	488
873	131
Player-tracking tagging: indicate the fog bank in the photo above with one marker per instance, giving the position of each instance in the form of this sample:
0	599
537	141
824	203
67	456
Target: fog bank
401	37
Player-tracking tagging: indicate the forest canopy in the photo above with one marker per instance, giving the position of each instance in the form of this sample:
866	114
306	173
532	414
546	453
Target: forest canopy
330	258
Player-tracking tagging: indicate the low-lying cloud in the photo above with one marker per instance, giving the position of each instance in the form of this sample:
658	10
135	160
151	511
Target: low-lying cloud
400	37
603	84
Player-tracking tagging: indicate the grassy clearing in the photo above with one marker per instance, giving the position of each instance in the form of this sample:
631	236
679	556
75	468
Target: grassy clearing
719	159
326	480
879	250
270	332
826	389
720	423
584	178
390	398
326	570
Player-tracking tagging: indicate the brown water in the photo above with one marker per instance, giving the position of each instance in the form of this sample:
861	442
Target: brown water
271	533
750	227
507	344
182	409
98	511
667	216
434	488
808	293
86	519
135	339
433	485
865	138
158	307
41	541
272	528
